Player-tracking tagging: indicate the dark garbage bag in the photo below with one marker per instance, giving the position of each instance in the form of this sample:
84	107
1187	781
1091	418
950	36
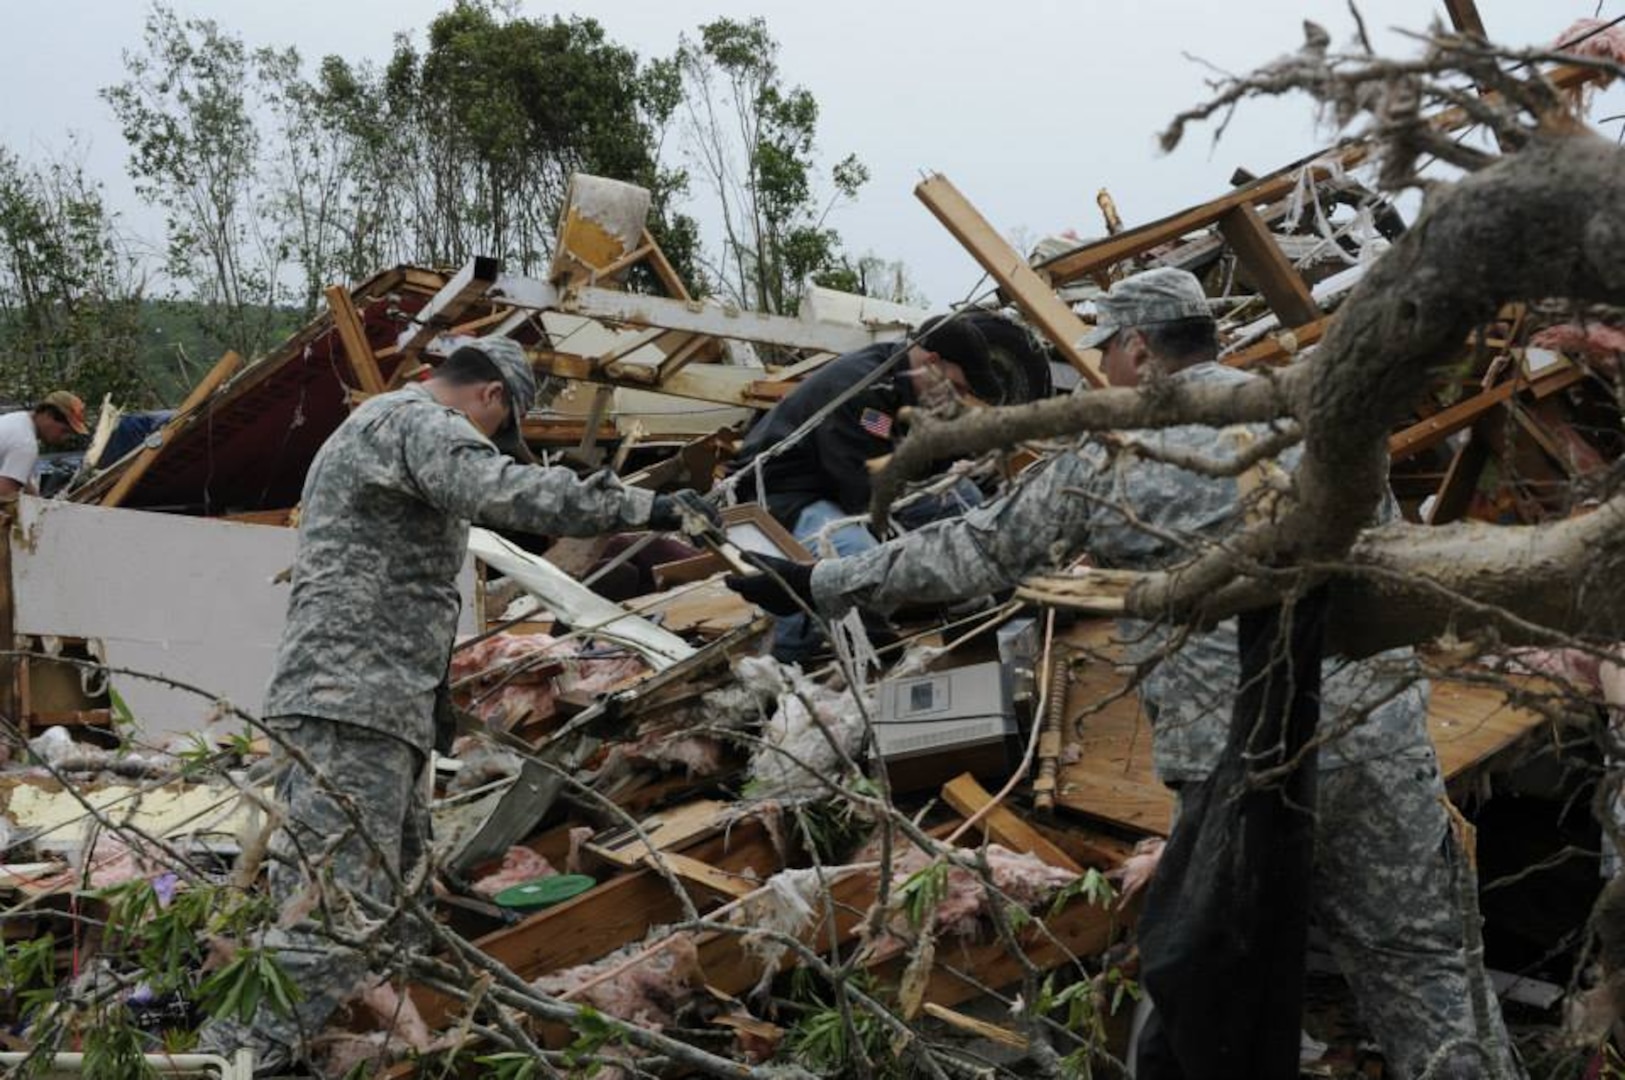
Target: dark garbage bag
1225	926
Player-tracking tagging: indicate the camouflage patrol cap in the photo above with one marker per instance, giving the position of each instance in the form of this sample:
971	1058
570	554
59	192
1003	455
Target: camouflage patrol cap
519	378
1156	296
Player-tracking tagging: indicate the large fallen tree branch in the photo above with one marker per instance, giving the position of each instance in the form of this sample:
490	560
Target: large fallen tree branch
1548	221
934	439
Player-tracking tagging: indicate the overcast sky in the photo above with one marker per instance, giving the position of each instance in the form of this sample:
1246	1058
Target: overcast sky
1029	106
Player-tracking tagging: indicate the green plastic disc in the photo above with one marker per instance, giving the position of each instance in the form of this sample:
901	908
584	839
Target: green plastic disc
544	892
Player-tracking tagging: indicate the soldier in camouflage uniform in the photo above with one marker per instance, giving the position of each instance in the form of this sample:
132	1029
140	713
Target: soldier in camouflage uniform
387	506
1386	866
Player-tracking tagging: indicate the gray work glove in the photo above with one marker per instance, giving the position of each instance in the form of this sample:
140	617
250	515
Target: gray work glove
683	511
777	589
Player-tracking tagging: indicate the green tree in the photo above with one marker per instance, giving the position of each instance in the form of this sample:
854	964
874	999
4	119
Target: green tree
311	164
753	140
70	294
195	152
886	279
490	118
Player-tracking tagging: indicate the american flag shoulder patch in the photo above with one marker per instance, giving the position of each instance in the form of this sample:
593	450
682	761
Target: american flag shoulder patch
876	423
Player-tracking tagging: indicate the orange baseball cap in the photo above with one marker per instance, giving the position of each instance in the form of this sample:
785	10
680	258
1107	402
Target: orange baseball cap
69	406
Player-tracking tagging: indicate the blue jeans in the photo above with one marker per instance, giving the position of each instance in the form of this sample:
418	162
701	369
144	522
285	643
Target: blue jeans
796	637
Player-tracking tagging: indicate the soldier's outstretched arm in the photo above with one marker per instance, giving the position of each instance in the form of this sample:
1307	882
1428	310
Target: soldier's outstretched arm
462	474
1036	526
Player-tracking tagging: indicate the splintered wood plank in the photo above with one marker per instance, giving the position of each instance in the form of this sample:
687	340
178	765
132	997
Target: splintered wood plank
353	336
980	1029
1441	425
716	882
1142	805
666	829
446	307
1279	347
1104	254
1455	494
708	608
1465	18
1471	724
1032	294
670	279
1001	825
1283	287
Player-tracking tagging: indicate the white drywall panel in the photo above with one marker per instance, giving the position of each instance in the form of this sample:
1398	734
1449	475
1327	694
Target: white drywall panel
193	599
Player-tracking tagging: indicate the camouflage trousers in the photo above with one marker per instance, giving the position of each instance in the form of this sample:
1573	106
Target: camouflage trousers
1385	884
318	861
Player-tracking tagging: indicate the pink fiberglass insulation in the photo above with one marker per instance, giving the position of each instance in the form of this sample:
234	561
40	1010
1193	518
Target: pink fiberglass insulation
1585	671
111	862
1594	38
519	865
1026	879
533	694
340	1053
696	755
649	992
1597	342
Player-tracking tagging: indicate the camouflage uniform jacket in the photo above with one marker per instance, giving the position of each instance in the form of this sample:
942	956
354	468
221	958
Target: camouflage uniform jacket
1064	507
384	531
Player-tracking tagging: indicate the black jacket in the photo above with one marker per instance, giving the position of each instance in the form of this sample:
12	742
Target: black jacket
830	463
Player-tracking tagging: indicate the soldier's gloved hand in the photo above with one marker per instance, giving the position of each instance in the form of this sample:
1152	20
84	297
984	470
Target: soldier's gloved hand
776	596
683	511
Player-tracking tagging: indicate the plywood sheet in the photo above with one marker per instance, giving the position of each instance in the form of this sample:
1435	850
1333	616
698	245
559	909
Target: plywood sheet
1113	779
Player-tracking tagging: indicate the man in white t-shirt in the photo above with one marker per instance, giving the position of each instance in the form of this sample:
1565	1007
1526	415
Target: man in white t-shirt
58	415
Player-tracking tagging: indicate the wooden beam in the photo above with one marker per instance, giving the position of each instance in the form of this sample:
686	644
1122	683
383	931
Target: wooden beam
715	882
1465	18
353	336
1280	347
1446	422
636	309
1031	293
448	305
1555	416
1548	443
1455	494
564	431
669	828
1103	254
132	473
670	279
1283	287
679	358
720	384
587	449
1001	825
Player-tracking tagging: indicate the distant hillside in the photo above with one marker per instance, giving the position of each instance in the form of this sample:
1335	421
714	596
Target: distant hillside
176	351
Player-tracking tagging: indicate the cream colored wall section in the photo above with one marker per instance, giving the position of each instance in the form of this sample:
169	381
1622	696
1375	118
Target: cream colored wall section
191	598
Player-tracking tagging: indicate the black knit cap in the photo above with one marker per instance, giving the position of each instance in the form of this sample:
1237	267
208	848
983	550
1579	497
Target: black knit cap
956	338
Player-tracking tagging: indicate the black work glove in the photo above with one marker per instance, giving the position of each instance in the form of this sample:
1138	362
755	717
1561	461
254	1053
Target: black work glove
769	594
683	511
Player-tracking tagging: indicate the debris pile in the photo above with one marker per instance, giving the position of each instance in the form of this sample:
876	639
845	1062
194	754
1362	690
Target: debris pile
642	813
